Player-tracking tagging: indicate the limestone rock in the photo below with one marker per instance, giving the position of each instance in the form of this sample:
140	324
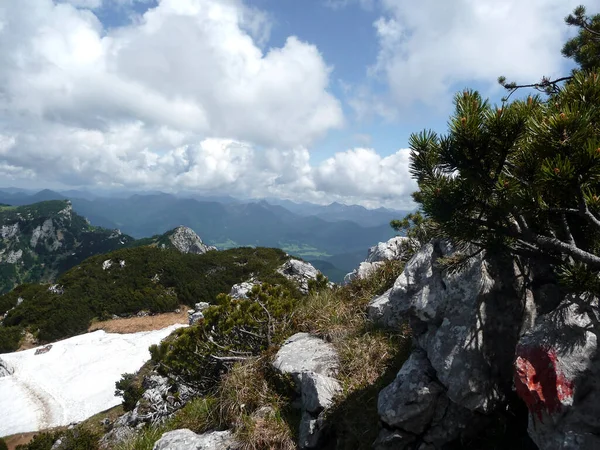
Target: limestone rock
460	319
392	250
557	375
195	315
312	363
241	290
317	391
116	436
188	440
409	402
379	310
364	270
465	326
299	272
186	240
305	353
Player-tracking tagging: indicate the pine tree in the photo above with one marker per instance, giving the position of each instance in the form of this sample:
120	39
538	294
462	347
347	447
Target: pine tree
523	177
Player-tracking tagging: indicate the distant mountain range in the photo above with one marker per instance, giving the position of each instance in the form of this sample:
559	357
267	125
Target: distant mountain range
335	234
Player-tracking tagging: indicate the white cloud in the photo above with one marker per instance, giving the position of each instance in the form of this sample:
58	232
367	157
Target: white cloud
129	156
426	51
191	65
183	98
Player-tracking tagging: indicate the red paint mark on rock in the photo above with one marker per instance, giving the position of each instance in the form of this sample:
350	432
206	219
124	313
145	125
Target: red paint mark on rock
539	381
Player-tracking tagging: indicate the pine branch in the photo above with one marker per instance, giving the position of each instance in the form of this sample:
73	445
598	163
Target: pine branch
547	86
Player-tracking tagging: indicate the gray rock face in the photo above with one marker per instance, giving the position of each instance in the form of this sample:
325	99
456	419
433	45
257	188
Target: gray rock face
299	272
465	327
5	369
195	315
557	375
188	440
241	290
312	363
186	240
305	353
116	436
317	391
409	402
392	250
379	310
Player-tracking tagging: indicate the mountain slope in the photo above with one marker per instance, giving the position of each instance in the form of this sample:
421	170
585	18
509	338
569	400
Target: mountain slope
39	241
127	281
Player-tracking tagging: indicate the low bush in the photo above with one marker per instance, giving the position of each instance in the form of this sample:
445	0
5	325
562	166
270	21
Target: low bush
130	389
232	330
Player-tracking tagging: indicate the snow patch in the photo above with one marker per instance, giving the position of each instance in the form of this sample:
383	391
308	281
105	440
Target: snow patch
72	382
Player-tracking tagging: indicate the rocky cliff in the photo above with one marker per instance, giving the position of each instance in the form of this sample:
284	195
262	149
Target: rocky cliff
497	346
39	241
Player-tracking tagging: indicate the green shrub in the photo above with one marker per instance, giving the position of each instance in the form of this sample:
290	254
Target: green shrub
3	445
128	388
232	330
10	338
152	279
41	441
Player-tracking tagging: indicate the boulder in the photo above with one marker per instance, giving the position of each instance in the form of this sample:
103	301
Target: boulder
317	391
409	402
557	375
312	363
306	353
116	436
392	250
186	240
299	272
241	290
195	315
188	440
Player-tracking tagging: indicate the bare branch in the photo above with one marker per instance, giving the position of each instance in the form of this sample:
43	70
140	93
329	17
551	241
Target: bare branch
230	358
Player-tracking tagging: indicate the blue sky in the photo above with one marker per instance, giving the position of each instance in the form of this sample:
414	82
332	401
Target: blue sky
300	99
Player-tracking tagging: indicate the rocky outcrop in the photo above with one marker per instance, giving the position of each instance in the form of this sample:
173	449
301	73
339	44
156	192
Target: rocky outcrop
159	401
241	290
557	375
299	272
313	364
392	250
188	440
186	240
195	315
465	325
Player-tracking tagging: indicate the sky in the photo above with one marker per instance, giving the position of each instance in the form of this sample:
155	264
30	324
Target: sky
310	100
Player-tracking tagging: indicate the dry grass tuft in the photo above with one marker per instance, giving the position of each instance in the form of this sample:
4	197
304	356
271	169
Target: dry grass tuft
270	432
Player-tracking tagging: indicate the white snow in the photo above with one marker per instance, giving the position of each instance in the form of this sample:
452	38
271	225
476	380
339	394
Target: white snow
73	381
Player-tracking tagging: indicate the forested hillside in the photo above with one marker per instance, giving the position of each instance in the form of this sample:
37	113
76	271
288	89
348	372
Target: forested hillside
146	278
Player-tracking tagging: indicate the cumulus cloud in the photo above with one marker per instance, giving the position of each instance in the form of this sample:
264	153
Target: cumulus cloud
192	65
123	156
428	51
183	98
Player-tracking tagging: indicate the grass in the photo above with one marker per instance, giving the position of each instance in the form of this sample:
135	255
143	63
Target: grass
144	439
